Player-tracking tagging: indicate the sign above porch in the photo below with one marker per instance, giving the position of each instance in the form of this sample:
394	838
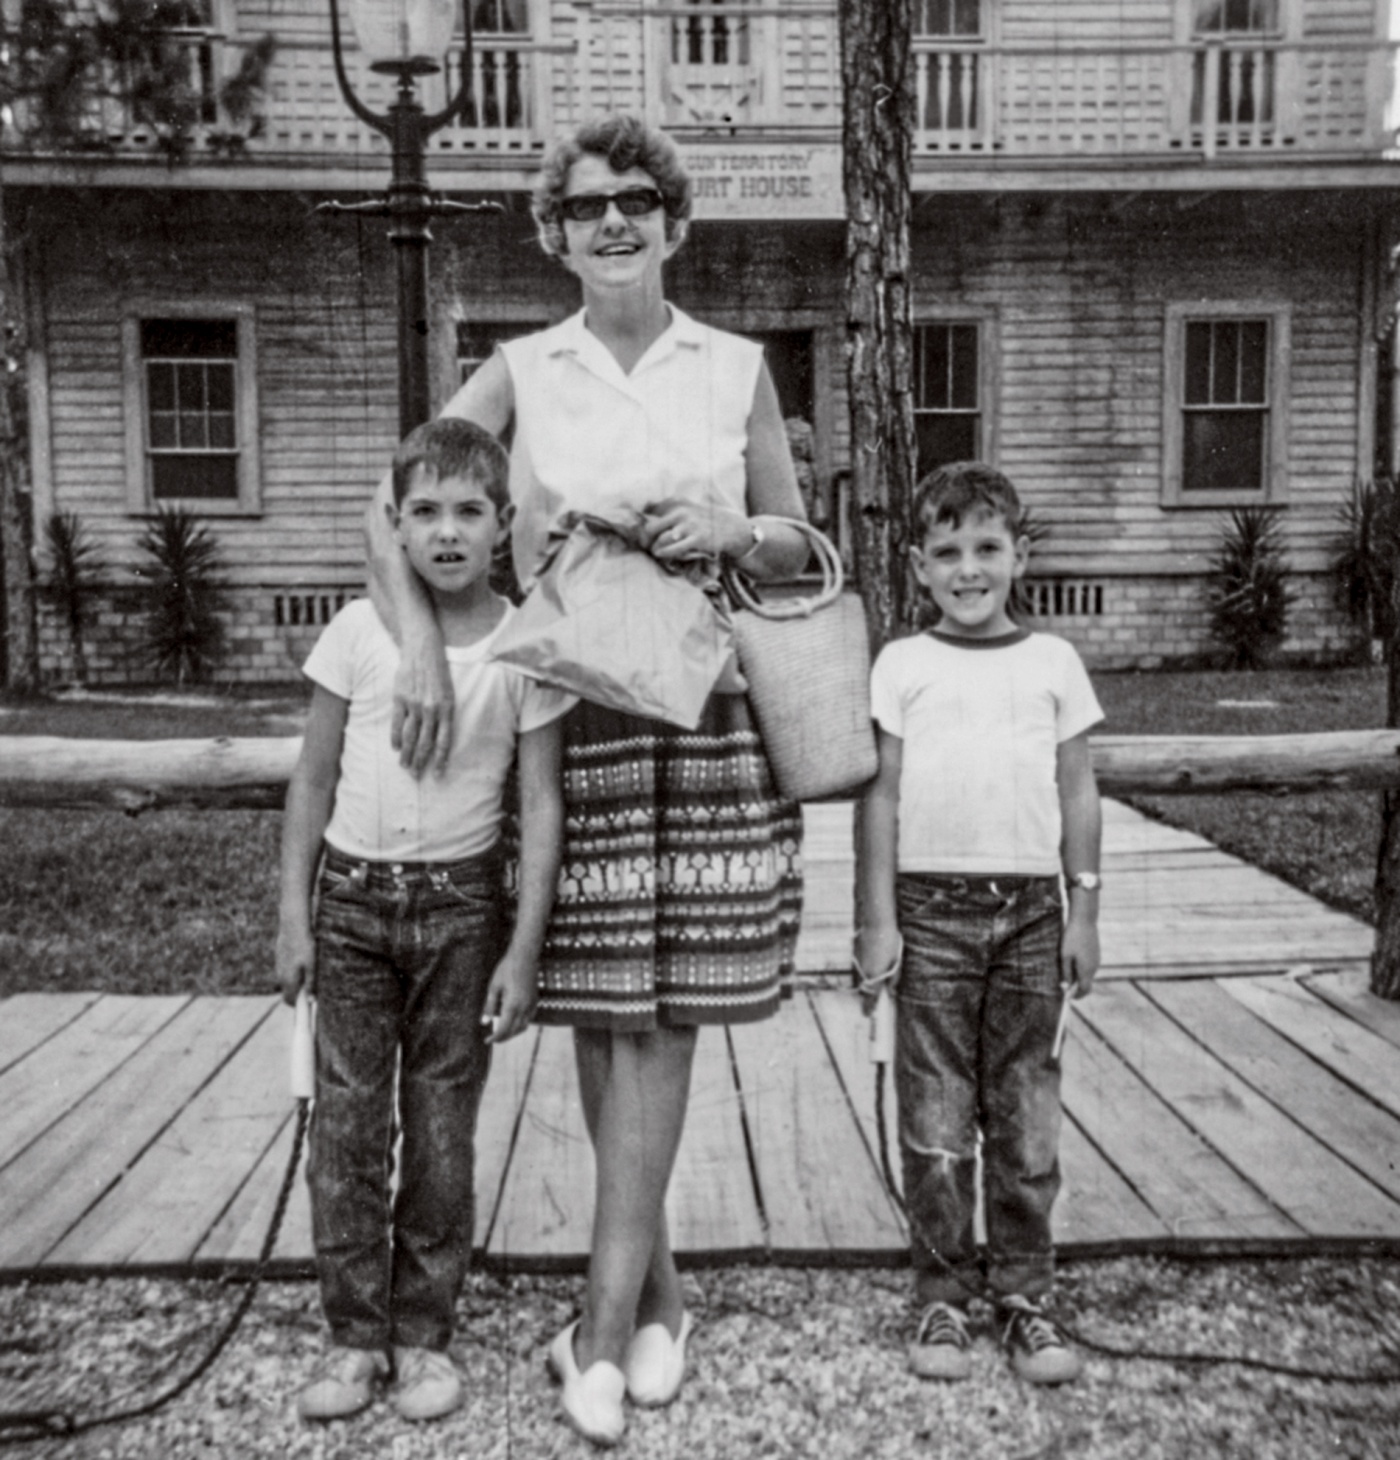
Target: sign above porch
755	180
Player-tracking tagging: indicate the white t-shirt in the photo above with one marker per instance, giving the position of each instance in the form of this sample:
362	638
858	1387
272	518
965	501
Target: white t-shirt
981	721
590	437
382	812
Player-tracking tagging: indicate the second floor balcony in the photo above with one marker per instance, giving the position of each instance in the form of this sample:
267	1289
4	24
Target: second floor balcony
756	72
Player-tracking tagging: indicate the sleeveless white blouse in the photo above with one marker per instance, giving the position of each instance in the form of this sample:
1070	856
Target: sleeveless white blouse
589	438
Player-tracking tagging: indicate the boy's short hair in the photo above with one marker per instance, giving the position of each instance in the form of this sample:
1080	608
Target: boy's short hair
452	447
949	493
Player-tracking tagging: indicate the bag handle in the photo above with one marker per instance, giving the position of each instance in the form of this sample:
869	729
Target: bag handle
833	578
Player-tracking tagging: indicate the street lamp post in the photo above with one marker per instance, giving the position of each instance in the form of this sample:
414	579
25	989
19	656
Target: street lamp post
404	38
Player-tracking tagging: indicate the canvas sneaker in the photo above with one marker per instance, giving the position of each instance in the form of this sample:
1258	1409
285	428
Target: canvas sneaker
940	1347
429	1385
343	1383
1035	1346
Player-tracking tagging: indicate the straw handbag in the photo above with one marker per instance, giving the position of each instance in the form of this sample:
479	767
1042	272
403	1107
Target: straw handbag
807	663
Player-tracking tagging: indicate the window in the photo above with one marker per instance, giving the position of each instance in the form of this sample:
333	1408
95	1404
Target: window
498	98
476	339
1227	394
191	411
947	393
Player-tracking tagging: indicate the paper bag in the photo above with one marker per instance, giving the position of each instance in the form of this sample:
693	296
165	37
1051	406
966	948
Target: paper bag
612	625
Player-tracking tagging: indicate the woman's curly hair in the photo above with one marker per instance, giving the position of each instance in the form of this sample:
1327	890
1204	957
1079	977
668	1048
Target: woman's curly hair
623	142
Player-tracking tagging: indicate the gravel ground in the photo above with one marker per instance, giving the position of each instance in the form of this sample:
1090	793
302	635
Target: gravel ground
784	1362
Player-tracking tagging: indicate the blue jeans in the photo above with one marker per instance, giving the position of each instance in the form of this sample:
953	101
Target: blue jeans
404	953
978	1001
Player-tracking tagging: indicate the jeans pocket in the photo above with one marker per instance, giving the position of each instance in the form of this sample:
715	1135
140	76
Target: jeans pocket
920	901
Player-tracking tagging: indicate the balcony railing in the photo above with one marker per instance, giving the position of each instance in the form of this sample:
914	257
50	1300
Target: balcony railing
1209	98
755	69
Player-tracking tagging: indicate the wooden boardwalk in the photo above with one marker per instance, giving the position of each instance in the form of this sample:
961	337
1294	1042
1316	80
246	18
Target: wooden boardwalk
1230	1085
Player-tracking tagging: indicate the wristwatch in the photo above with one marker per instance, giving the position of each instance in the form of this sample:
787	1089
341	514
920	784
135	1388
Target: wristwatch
1089	881
757	541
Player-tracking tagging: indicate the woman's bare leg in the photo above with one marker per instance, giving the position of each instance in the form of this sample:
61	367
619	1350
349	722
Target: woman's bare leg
634	1089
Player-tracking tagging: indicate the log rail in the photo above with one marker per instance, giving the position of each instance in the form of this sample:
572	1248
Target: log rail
251	773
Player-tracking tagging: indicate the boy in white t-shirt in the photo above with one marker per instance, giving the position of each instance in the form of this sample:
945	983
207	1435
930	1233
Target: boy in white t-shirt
406	946
984	797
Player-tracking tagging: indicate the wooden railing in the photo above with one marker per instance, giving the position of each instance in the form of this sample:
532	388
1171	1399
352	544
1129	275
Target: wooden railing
745	69
252	773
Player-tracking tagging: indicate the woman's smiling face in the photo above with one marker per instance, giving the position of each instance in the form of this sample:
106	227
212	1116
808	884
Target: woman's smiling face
615	252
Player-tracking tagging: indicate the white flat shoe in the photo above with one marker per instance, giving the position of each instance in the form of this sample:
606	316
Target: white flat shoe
655	1364
592	1401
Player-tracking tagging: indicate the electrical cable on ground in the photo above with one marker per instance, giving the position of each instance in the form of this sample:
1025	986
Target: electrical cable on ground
1159	1356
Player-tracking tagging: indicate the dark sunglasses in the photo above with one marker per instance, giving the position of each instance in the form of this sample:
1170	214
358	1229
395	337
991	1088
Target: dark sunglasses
631	203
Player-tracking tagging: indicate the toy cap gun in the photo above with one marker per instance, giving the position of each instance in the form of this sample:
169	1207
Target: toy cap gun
303	1063
880	986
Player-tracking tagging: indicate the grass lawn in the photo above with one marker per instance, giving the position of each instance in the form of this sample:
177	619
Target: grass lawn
185	901
1324	842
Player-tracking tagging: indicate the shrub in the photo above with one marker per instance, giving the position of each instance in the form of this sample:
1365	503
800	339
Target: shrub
1250	596
184	635
1364	554
75	569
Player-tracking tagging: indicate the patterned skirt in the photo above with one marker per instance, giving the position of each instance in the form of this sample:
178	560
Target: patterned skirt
680	889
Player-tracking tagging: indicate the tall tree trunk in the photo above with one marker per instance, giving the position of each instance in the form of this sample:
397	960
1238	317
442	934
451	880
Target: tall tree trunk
1385	959
16	546
877	145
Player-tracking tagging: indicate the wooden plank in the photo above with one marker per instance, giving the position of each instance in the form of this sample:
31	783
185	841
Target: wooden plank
803	1132
237	1236
711	1205
1363	1059
1180	1176
1347	1122
1297	1172
1350	991
164	1208
38	1090
27	1020
1096	1206
546	1208
847	1033
45	1191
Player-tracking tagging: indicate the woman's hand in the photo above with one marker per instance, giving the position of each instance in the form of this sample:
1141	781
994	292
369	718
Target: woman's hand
675	531
424	702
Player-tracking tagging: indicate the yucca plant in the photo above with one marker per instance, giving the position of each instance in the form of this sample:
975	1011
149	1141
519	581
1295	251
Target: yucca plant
184	635
1250	594
75	570
1364	556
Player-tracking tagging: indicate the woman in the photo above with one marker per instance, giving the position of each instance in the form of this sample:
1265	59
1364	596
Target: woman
679	900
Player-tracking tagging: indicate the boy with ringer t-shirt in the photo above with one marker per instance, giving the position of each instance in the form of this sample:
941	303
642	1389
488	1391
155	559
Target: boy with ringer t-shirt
984	799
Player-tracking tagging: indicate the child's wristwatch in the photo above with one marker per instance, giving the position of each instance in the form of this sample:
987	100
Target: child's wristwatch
1089	881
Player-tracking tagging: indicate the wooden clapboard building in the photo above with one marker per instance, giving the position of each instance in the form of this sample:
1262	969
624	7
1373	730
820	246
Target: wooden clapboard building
1153	280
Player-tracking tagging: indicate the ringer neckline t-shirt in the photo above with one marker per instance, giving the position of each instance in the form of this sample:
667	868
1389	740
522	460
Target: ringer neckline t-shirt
981	721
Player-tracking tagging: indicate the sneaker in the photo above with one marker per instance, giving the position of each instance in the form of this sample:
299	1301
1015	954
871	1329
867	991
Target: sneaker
939	1350
429	1385
1035	1346
343	1383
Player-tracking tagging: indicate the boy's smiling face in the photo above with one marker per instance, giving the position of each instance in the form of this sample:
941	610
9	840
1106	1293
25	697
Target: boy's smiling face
969	570
449	527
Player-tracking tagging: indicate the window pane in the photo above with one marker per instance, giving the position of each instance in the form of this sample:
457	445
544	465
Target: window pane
189	381
163	429
221	435
194	476
218	384
1254	350
964	353
1198	363
933	389
160	385
948	18
1223	451
942	439
189	339
194	431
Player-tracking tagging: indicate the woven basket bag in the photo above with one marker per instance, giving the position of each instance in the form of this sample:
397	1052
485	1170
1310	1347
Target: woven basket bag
807	663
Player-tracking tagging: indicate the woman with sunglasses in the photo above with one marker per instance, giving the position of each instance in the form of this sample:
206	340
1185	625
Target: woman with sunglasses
679	900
